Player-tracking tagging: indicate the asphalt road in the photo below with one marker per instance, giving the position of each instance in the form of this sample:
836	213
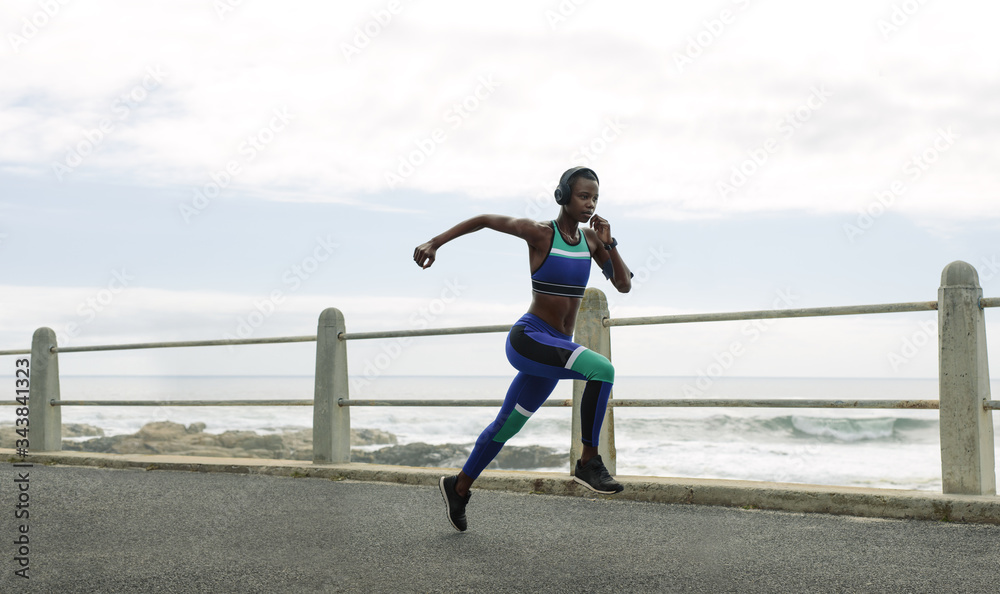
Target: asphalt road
102	530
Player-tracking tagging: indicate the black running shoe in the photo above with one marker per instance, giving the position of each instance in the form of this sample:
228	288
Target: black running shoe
595	476
454	503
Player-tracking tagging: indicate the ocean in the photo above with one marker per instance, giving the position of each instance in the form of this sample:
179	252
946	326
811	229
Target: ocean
868	448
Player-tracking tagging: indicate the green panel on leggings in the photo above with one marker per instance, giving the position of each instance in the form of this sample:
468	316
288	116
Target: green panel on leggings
511	426
595	366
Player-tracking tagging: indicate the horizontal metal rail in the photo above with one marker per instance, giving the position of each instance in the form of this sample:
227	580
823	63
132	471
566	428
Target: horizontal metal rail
490	403
639	321
181	402
776	403
183	343
426	332
693	403
846	310
16	352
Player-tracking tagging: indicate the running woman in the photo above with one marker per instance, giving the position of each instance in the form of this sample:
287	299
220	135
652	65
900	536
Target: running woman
540	344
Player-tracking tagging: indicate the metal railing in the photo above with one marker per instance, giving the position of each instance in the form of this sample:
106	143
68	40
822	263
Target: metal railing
809	312
964	403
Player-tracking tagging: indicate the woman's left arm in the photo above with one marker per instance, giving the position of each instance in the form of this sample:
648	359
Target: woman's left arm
610	260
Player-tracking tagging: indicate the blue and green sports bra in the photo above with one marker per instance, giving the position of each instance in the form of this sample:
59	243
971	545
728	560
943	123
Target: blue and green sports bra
565	270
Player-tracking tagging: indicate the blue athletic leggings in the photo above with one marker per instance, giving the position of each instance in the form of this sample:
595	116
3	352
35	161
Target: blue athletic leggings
542	356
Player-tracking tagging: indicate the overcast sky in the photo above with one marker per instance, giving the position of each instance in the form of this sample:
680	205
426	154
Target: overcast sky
208	169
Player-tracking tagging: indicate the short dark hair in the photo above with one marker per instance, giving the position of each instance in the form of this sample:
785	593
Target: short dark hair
582	174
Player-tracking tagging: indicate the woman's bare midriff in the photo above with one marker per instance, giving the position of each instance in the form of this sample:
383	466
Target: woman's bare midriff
558	312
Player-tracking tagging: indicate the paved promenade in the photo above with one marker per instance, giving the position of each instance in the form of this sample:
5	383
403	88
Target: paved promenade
135	530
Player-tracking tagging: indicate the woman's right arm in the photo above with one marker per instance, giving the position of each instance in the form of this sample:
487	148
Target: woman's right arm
529	230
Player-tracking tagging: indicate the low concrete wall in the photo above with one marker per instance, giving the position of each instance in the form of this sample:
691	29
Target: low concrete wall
878	503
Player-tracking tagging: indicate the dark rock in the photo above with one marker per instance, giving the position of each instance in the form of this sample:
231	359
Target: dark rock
271	443
528	458
231	439
166	437
161	431
369	437
415	454
100	445
80	430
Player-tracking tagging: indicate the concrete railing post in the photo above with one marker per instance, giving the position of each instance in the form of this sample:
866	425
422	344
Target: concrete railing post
967	465
331	423
591	333
44	420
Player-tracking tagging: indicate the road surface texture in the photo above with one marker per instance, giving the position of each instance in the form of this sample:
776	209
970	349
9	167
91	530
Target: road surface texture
110	530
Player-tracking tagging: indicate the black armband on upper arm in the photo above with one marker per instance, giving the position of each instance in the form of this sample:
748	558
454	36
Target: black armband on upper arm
609	270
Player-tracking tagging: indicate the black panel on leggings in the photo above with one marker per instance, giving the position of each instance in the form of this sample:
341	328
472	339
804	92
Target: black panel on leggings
536	351
588	408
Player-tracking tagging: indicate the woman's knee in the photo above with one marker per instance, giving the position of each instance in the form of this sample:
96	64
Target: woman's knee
603	370
594	366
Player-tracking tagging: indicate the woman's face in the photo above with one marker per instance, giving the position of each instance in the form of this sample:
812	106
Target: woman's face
583	199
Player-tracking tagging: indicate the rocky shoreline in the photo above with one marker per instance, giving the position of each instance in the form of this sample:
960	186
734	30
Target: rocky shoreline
166	437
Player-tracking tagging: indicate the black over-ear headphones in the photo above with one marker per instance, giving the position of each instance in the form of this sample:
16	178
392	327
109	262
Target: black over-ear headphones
564	192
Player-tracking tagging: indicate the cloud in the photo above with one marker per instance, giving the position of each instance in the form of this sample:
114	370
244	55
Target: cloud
357	119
